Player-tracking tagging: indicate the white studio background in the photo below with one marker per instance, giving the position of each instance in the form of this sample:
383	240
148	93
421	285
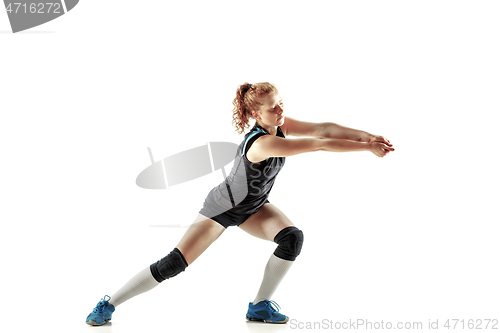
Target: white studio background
409	237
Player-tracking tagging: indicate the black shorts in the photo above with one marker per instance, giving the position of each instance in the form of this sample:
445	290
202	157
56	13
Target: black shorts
228	218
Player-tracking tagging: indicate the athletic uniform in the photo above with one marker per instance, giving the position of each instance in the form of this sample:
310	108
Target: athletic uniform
246	188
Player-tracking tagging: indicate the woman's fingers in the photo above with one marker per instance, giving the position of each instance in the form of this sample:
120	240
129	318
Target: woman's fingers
385	149
380	138
387	142
381	148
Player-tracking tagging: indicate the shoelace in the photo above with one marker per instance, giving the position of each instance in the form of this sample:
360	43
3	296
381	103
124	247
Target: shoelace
273	306
100	306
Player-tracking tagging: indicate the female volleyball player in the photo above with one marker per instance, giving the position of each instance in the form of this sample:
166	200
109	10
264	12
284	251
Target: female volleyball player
241	199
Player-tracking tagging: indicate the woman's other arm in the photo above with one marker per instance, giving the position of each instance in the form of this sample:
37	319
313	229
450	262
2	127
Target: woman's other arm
335	131
273	146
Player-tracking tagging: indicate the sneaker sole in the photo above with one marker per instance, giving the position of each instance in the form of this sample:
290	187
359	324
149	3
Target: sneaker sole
93	323
269	321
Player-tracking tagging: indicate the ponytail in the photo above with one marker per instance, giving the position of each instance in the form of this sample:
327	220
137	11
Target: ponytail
249	99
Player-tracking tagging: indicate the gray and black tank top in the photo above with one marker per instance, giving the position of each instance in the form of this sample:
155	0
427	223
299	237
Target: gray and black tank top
247	186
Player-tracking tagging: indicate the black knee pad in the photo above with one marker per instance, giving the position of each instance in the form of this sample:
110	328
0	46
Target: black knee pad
169	266
289	241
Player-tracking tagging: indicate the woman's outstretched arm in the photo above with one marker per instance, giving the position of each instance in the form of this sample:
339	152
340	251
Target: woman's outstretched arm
268	146
331	130
328	130
326	136
335	131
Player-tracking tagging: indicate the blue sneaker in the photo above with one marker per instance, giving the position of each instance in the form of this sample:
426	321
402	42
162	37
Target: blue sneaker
266	312
102	312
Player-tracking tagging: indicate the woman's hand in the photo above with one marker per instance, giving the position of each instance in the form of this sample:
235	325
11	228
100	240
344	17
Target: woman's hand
379	145
380	149
377	138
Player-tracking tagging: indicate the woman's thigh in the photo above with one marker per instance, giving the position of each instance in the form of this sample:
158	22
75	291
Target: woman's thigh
266	222
199	236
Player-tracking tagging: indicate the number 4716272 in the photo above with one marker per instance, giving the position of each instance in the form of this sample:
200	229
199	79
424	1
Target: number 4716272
34	8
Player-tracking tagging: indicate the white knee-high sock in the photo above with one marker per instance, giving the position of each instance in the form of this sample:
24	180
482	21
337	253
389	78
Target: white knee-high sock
140	283
276	269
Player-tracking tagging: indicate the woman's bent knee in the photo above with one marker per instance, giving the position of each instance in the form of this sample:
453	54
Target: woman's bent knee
289	240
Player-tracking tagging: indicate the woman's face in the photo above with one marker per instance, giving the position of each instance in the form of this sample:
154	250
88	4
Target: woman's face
271	112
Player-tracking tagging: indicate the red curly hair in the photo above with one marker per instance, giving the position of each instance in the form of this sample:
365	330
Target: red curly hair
249	98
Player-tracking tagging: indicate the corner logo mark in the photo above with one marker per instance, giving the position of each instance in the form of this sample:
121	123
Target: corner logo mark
29	14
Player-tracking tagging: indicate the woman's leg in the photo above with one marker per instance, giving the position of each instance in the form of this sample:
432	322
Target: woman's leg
272	224
203	232
196	240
